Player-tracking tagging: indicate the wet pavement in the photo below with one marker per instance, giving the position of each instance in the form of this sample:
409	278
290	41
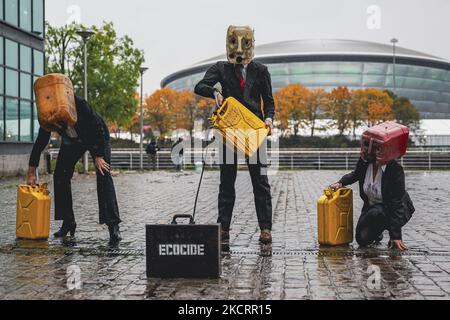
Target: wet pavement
294	267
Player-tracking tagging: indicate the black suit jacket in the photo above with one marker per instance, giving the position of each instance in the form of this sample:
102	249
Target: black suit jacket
258	86
90	128
397	203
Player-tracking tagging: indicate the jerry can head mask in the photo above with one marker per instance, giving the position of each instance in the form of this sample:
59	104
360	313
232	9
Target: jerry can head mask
55	102
240	45
384	143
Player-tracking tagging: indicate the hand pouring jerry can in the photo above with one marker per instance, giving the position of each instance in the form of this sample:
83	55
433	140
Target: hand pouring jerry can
240	127
335	217
33	212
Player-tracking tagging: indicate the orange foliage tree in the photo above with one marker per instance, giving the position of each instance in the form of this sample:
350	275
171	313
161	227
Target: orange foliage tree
168	109
317	101
339	108
375	104
292	102
160	109
204	109
185	111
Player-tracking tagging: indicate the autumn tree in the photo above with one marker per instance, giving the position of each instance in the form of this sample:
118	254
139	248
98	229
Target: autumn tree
113	67
317	100
204	109
292	102
339	109
375	104
160	109
405	112
186	110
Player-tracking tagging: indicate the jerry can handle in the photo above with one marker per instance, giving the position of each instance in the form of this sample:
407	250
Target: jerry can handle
183	216
329	193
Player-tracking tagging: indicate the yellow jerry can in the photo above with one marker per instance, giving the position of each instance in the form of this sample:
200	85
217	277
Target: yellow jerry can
240	127
33	212
335	217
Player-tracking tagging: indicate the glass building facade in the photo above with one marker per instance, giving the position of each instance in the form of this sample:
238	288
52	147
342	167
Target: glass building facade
425	81
21	63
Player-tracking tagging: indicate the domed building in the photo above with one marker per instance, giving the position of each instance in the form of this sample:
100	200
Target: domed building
327	64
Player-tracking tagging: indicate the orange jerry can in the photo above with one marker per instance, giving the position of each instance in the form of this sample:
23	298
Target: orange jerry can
240	127
33	212
335	217
55	101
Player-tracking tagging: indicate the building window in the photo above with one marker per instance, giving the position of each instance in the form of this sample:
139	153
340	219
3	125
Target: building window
2	120
2	88
1	18
12	54
25	15
12	120
12	83
25	58
38	63
12	12
38	16
25	121
25	86
1	49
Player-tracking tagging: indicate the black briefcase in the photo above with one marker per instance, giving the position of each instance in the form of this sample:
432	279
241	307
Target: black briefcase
183	250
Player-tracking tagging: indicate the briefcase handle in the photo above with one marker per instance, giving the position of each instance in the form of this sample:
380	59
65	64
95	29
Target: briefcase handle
183	216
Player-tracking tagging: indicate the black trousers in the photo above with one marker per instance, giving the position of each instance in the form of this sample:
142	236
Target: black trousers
71	151
261	191
371	225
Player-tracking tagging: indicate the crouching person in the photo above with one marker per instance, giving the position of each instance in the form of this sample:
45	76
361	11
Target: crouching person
81	130
387	205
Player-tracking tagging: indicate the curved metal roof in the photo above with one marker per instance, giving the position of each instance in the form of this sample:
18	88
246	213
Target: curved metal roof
330	47
323	50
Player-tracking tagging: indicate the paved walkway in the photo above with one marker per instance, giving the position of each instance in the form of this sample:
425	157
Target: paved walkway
293	268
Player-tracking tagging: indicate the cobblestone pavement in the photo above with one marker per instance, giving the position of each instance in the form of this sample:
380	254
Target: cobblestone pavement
293	268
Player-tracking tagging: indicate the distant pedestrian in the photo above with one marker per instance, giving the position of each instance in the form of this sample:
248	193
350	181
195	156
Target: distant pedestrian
152	152
178	154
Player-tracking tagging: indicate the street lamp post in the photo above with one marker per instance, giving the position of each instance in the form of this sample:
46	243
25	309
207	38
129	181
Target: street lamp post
85	35
394	43
141	146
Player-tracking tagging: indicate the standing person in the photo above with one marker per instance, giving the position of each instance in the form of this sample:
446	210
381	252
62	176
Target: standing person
89	134
152	151
387	205
178	154
250	83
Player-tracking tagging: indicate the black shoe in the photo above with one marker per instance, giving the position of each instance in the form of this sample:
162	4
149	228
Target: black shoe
114	234
65	229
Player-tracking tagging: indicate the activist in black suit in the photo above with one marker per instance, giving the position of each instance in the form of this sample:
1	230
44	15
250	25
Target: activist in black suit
89	134
250	83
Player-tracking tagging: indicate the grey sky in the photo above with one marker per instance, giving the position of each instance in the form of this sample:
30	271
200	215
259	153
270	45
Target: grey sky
175	34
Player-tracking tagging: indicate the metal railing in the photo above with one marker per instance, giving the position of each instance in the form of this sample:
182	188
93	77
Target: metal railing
283	159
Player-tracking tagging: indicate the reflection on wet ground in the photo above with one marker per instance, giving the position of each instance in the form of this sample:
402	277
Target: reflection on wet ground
293	267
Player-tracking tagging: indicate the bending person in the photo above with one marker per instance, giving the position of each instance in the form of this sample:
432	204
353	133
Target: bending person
90	133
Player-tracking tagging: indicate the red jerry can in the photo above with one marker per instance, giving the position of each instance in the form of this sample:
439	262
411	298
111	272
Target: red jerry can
390	139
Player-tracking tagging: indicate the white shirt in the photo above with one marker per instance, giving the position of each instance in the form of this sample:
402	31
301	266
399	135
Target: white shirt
373	185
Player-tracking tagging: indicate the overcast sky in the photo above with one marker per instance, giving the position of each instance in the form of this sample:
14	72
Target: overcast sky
175	34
